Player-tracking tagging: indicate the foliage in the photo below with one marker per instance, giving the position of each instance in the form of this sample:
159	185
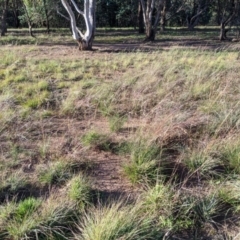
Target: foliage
115	13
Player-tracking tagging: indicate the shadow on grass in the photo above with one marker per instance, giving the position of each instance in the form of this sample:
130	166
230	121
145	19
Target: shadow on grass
108	197
21	193
124	40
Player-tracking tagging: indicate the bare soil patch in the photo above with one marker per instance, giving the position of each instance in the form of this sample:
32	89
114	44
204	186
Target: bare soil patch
63	139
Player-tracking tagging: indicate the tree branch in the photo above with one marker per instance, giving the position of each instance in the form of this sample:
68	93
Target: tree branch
76	32
59	13
76	7
144	11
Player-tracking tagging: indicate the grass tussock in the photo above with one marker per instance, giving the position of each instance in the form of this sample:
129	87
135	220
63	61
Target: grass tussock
144	162
76	130
34	218
115	221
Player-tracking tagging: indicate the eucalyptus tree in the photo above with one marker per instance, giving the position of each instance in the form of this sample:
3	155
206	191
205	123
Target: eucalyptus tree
140	18
151	14
127	13
48	7
29	14
38	13
227	12
84	39
4	7
169	9
16	6
193	10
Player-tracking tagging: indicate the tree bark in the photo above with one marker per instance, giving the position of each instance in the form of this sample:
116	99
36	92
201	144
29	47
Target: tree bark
223	32
30	25
4	18
192	23
150	8
15	6
150	34
140	19
85	46
47	17
227	17
30	29
198	8
163	17
85	40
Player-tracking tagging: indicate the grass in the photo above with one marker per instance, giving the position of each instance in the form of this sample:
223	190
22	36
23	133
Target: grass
26	208
13	182
115	221
229	194
158	201
116	122
96	140
58	172
33	218
80	190
143	165
230	157
79	130
202	164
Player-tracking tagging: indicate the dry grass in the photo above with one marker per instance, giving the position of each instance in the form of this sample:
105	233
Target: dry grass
161	127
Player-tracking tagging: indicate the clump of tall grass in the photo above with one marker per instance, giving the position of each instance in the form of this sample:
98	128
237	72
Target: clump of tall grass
13	182
116	122
158	201
200	163
115	221
230	156
55	173
79	190
229	193
97	140
36	219
144	162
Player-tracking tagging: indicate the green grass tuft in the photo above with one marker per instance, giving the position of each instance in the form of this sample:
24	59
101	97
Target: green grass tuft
144	162
80	190
116	122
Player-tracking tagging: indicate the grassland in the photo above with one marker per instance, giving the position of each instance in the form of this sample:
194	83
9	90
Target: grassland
139	144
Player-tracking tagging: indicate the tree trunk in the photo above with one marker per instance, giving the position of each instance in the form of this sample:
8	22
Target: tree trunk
30	30
47	17
163	17
4	18
223	32
85	40
191	27
15	7
150	33
16	18
48	26
192	22
227	17
30	25
151	14
140	19
85	45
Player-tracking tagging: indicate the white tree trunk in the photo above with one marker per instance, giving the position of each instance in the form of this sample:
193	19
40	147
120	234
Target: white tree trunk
85	40
148	8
